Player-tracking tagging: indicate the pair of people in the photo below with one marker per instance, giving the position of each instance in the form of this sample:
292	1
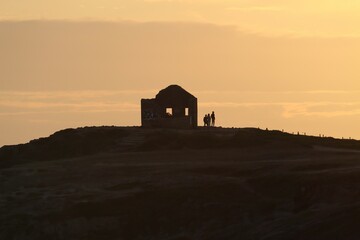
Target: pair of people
209	120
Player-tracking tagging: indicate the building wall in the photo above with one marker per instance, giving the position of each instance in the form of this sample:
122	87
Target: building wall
153	114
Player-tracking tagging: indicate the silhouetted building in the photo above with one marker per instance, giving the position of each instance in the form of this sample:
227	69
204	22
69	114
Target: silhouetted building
173	107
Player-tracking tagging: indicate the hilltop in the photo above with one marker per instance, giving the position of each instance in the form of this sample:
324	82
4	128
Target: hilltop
96	140
205	183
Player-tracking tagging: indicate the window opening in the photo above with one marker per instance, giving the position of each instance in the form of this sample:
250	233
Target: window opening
169	112
186	111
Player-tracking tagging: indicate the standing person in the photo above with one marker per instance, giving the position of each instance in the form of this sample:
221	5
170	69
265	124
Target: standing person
213	119
209	120
205	120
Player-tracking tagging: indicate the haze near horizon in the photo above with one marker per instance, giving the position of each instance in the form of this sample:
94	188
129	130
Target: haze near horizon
272	64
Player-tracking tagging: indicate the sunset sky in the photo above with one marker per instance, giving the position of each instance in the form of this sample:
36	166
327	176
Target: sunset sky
277	64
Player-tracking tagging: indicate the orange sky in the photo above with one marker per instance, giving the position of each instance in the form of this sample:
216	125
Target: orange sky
305	17
289	65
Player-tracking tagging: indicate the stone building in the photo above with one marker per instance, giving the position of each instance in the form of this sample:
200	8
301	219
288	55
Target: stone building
173	107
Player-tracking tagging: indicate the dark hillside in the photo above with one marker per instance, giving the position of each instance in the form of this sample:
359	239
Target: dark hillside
66	143
86	141
210	183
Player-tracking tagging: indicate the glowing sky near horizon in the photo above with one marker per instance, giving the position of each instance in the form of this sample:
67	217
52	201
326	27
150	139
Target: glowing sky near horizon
280	64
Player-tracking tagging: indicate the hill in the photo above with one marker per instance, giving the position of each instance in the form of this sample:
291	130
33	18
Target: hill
207	183
94	140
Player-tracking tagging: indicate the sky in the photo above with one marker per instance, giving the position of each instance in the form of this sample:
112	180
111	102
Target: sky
276	64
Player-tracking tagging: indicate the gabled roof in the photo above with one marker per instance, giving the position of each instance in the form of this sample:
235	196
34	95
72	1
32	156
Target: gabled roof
174	91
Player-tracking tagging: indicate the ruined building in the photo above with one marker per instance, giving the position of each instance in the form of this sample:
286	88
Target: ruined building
173	107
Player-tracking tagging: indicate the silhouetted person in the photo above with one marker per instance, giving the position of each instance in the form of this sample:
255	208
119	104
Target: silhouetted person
213	119
208	119
205	120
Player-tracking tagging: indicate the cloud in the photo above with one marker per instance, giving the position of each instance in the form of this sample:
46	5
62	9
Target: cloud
306	92
14	103
321	109
297	109
21	103
69	94
256	8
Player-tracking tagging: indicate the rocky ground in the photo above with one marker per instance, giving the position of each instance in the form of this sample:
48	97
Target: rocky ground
131	183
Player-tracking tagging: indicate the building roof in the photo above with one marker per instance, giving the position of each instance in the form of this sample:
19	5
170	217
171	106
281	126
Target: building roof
174	92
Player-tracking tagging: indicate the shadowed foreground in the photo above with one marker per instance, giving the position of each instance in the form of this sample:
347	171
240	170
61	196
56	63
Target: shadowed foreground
195	184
